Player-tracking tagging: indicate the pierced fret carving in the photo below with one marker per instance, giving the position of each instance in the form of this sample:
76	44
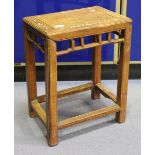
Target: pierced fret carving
98	42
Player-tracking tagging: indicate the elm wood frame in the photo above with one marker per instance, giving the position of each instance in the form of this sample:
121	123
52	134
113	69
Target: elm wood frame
50	117
77	119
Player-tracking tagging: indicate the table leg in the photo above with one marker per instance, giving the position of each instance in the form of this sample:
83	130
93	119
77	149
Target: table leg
30	72
51	93
122	85
96	69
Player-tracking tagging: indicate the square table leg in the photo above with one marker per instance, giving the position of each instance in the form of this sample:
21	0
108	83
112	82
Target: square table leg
30	72
122	85
51	93
96	69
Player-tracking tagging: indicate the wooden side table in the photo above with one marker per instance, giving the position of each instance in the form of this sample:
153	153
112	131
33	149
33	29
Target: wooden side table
44	31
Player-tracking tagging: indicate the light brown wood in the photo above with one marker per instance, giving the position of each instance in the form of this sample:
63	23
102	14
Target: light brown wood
96	68
76	48
30	72
36	44
51	92
100	38
88	116
72	44
82	42
77	119
71	25
108	36
77	23
122	85
68	91
106	92
39	111
74	90
41	98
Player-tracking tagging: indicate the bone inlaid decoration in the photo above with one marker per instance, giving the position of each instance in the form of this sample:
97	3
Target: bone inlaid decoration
55	24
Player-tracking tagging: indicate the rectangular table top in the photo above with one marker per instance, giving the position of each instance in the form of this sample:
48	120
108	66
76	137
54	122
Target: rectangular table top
77	23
